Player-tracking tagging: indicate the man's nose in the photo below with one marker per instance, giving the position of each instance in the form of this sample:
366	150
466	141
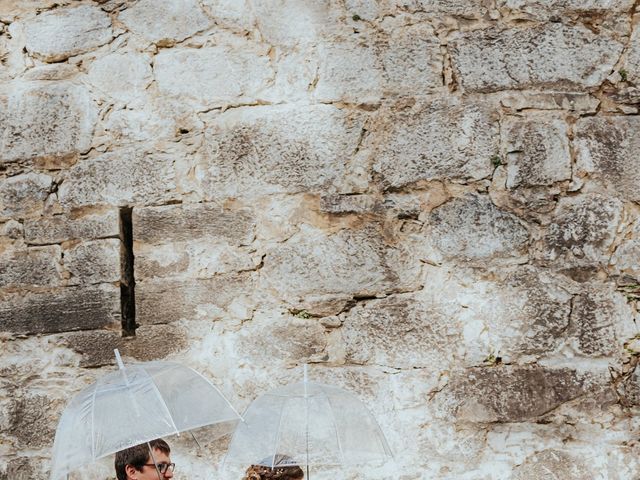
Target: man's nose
168	474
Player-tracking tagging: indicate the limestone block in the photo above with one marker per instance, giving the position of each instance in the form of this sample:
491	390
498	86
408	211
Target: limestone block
212	77
128	126
343	204
458	8
561	463
122	76
573	102
357	262
151	342
473	228
62	310
632	60
165	22
450	139
545	9
624	260
256	151
511	393
96	261
53	121
553	55
291	22
349	72
60	228
24	467
38	266
411	61
536	150
179	223
121	177
24	194
231	13
62	33
581	231
166	301
601	321
33	420
607	152
399	332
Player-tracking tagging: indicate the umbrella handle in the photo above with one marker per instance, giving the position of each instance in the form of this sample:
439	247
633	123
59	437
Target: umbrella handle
153	459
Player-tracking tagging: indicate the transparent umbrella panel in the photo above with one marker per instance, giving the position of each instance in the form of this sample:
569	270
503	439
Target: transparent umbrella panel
132	406
313	424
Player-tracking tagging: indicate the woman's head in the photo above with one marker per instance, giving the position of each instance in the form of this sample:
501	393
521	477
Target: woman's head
283	469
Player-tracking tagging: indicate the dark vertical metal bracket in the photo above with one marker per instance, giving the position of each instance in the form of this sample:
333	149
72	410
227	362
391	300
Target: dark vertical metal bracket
127	279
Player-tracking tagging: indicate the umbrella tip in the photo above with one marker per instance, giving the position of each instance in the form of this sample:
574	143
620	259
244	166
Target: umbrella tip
118	358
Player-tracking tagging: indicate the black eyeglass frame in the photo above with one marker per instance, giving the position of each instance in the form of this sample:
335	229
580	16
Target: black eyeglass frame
162	467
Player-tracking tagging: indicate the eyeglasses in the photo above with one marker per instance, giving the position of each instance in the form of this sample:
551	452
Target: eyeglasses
162	467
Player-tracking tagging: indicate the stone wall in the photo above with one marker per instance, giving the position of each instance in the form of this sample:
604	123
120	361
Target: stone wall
435	203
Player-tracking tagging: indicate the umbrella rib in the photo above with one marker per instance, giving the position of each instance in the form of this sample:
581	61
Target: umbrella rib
273	461
93	419
218	390
157	390
335	427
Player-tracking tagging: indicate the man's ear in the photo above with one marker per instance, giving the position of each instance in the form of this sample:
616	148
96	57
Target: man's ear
131	471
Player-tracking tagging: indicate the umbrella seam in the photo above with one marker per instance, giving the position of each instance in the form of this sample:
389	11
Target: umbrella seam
218	390
278	434
93	415
335	427
157	390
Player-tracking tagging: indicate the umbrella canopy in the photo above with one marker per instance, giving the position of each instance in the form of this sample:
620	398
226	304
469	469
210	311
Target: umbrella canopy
311	424
131	406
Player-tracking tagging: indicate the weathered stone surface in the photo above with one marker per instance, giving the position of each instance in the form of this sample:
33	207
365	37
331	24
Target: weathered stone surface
31	421
511	393
601	321
537	151
62	310
441	139
179	223
94	262
235	14
165	22
462	8
59	34
553	55
119	178
213	76
573	102
151	342
473	228
399	332
45	121
24	468
24	194
607	152
122	76
60	228
166	301
291	22
632	61
624	260
352	262
256	151
581	231
558	463
343	204
31	267
546	9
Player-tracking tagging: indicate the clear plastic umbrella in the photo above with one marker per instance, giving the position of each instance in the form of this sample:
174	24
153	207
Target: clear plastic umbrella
131	406
307	424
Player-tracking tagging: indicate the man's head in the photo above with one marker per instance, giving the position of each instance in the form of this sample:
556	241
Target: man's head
137	463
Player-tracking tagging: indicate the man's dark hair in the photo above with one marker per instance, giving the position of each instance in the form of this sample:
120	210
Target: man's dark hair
137	456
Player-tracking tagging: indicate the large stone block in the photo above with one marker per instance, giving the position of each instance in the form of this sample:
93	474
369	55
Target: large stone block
32	420
632	60
24	194
165	22
458	8
52	121
261	150
581	231
552	55
63	227
624	261
234	14
212	77
400	332
607	153
122	177
96	261
601	321
511	393
38	266
179	223
536	150
563	464
122	76
546	9
27	468
444	139
61	310
62	33
358	262
473	228
166	301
